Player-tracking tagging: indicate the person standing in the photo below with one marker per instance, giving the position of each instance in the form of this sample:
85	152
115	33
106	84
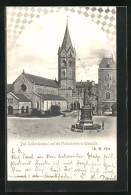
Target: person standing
102	125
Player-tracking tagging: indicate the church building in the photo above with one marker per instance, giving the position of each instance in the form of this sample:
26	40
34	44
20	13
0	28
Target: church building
33	92
30	92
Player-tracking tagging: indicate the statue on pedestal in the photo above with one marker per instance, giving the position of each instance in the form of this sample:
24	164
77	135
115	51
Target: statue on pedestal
86	97
86	122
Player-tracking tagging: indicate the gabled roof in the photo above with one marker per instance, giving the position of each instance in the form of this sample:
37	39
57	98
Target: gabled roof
66	44
51	97
42	81
20	97
9	88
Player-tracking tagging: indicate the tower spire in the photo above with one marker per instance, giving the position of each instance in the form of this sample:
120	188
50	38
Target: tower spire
67	21
66	44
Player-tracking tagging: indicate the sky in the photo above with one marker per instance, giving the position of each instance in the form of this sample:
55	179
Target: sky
36	48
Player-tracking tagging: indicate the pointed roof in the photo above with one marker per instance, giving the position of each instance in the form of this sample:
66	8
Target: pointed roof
20	97
107	61
67	40
9	88
42	81
51	97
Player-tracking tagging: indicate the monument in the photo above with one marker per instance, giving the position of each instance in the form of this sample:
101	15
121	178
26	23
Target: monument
86	122
86	111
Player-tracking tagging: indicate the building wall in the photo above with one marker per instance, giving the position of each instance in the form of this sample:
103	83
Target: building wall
106	86
45	90
94	101
14	103
67	70
38	102
49	103
107	83
17	105
67	94
79	92
22	79
76	99
25	104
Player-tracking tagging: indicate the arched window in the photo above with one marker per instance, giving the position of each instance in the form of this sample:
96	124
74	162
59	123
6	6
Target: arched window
27	109
22	109
23	87
107	95
64	63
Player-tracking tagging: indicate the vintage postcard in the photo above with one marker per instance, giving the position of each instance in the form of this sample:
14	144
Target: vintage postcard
61	93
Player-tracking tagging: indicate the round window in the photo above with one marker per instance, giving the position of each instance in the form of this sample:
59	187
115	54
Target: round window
23	87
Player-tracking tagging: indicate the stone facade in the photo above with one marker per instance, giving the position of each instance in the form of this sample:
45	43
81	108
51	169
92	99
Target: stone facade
106	85
12	104
67	93
23	80
66	63
18	104
45	90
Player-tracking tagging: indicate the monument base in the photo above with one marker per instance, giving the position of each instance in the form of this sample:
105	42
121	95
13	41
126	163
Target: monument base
86	126
86	122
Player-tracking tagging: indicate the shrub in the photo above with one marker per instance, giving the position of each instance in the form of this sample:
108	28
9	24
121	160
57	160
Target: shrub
35	112
55	110
48	113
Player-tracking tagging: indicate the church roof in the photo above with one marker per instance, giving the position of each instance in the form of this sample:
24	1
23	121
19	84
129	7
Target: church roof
107	61
9	88
85	84
22	97
42	81
66	44
51	97
82	84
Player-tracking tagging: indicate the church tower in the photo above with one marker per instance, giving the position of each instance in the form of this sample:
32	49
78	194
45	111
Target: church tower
66	63
106	84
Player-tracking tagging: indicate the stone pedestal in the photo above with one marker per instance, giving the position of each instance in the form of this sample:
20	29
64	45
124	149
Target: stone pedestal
86	122
86	116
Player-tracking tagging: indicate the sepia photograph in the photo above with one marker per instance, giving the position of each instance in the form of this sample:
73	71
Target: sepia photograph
61	93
